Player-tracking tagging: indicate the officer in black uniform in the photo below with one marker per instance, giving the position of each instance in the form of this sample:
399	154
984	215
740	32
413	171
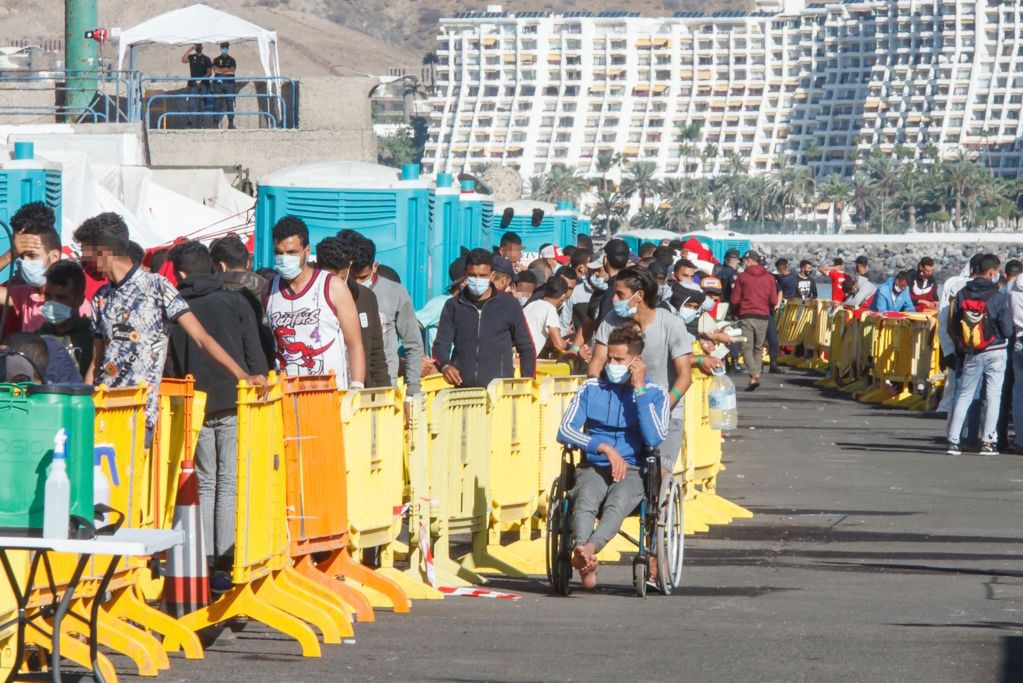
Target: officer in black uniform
199	66
223	86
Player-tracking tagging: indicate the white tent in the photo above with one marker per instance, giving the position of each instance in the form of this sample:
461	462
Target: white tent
200	24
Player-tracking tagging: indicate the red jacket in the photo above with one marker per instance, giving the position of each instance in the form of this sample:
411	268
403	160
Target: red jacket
755	293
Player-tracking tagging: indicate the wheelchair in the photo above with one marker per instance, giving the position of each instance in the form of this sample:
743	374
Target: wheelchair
661	529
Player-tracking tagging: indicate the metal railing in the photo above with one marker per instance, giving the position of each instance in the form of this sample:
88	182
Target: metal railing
121	97
113	95
275	99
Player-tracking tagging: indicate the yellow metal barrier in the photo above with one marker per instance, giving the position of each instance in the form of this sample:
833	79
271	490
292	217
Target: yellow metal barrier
818	338
795	325
552	368
449	480
513	473
266	586
373	421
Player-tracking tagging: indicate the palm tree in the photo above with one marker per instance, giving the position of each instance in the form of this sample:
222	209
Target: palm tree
759	199
911	193
606	161
647	217
883	172
862	199
813	154
837	191
563	183
957	179
537	190
639	179
735	182
670	187
794	186
609	207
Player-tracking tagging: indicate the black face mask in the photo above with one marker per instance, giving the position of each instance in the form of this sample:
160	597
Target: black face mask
198	50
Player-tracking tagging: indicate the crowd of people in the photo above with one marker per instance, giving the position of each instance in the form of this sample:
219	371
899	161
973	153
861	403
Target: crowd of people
119	316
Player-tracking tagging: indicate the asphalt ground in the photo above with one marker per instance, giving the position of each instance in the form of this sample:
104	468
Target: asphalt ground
872	556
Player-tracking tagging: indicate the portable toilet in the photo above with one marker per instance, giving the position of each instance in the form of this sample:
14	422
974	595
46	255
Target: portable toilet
23	180
553	227
446	217
720	241
388	207
583	225
477	218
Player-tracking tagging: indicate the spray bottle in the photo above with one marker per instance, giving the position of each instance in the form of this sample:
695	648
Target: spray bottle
100	485
57	500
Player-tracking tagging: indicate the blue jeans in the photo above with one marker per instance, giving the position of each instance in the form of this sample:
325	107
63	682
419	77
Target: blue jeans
988	368
224	89
1017	393
216	464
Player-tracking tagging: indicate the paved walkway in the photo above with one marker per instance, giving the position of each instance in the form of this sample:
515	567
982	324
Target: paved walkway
872	557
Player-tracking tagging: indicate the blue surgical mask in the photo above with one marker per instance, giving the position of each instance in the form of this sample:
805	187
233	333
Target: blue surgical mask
996	278
56	312
223	51
598	282
288	265
616	374
623	310
33	271
477	286
688	315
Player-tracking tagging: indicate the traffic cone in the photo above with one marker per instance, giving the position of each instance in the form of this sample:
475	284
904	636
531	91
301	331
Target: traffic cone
186	586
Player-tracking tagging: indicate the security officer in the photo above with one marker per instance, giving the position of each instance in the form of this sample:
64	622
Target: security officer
223	86
199	66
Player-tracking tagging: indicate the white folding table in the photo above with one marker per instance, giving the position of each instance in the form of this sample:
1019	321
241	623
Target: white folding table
122	543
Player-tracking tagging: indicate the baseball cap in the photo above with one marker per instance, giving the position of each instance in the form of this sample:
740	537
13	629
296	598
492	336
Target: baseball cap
597	263
732	253
680	295
752	256
505	267
15	368
551	251
711	284
456	271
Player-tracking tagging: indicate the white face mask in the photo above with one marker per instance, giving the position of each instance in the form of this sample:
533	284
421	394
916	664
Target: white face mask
33	271
55	312
616	374
708	304
598	283
688	315
288	265
477	285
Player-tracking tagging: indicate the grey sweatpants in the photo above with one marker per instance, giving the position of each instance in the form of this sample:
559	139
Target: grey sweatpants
754	330
593	486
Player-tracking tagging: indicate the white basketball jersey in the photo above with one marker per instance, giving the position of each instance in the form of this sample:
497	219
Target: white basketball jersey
307	334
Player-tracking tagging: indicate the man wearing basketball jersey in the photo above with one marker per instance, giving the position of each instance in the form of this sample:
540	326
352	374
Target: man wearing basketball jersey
311	313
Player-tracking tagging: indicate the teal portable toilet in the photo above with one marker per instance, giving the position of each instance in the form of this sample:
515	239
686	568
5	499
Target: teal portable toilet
553	227
446	216
583	225
390	208
477	217
23	180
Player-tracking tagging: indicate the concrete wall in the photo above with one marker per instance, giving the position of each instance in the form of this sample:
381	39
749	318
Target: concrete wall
261	151
334	102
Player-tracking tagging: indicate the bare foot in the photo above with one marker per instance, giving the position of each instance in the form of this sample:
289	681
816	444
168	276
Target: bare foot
585	560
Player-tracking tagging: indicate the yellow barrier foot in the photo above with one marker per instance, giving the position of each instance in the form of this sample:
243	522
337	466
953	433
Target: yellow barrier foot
242	600
876	395
328	601
496	559
125	604
826	383
356	601
449	573
725	506
342	564
417	590
532	550
854	387
705	514
297	604
140	647
71	648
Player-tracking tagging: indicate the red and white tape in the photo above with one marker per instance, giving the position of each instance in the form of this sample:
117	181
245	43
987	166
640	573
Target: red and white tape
477	593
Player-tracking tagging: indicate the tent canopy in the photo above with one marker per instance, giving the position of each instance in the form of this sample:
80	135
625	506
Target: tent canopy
200	24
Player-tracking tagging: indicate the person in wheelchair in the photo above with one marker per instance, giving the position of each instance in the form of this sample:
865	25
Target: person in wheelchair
611	419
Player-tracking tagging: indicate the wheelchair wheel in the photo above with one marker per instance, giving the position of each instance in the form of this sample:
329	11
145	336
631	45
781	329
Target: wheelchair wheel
640	574
670	538
559	559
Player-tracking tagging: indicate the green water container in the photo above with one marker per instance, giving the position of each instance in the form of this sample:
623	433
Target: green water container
30	417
